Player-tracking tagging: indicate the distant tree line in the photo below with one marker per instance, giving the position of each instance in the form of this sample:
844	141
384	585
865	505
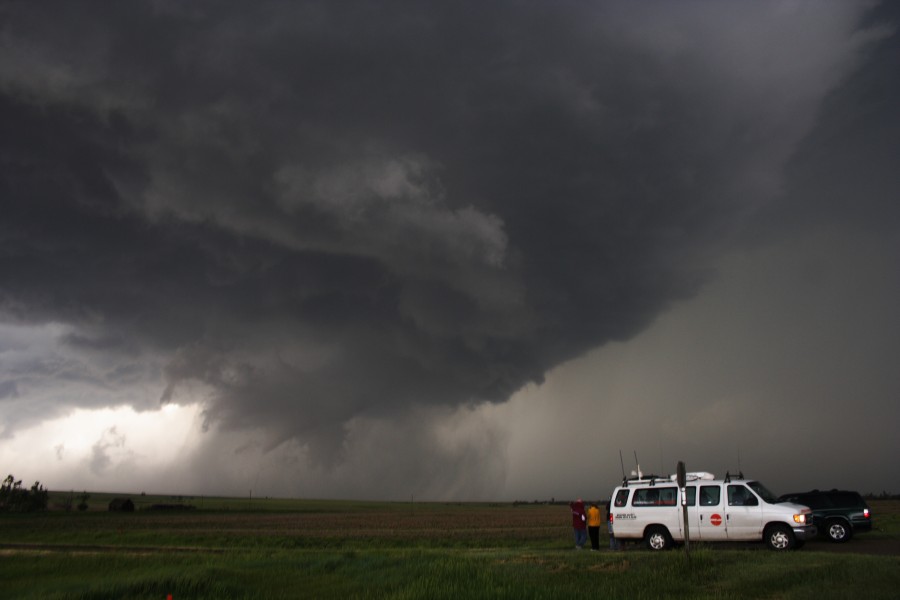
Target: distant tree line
882	496
15	498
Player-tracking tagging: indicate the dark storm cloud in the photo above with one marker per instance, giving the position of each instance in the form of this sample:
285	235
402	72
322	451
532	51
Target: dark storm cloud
322	211
846	170
8	389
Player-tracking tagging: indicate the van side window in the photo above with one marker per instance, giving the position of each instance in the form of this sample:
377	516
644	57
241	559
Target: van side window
655	497
709	495
622	498
691	493
668	496
739	495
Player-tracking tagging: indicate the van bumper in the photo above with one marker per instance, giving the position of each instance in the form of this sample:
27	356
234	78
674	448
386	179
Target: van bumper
807	532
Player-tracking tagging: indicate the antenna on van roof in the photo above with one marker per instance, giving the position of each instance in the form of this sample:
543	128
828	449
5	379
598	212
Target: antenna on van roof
662	467
622	462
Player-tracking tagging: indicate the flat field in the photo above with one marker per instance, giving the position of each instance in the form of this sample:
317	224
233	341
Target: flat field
275	548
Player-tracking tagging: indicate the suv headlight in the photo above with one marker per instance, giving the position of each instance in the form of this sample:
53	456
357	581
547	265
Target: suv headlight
801	519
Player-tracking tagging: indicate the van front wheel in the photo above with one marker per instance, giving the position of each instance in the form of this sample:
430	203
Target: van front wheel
780	537
658	538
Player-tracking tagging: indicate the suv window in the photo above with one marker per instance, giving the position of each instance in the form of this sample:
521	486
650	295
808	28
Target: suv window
845	499
622	498
822	500
815	501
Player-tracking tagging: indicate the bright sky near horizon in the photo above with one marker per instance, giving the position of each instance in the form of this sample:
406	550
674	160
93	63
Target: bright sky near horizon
454	251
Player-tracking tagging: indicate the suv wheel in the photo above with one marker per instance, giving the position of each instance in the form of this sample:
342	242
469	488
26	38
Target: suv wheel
838	530
658	538
780	537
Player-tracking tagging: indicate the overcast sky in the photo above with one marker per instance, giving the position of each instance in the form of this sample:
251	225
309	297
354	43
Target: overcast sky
458	250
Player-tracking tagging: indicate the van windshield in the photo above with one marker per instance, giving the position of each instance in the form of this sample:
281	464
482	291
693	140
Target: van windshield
762	491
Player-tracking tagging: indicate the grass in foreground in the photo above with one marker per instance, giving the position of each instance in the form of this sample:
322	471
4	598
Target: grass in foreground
405	574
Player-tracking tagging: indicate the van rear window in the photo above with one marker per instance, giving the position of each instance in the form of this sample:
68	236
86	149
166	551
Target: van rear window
655	496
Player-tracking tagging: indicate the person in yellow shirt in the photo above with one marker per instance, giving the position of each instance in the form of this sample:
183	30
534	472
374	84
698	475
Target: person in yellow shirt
593	522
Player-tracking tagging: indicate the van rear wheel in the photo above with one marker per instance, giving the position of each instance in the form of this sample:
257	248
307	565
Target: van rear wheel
658	538
780	537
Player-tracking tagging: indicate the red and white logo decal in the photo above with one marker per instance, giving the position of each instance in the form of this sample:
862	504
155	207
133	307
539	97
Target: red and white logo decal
715	519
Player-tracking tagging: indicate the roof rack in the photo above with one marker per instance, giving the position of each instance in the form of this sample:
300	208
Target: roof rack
651	479
729	476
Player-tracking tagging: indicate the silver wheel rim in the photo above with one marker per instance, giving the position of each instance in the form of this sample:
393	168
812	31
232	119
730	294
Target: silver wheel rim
837	531
657	541
780	540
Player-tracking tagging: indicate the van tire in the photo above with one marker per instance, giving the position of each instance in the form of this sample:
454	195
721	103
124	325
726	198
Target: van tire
780	537
838	530
657	538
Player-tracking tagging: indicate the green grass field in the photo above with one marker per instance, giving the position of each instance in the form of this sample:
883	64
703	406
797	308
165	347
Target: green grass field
274	548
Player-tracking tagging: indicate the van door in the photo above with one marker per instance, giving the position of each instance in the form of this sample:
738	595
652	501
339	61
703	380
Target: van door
624	525
708	514
657	505
743	513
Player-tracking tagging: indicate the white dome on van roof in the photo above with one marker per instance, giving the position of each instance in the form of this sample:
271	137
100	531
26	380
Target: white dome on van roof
695	475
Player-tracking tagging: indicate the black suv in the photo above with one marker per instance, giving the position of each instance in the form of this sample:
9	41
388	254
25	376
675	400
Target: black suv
838	514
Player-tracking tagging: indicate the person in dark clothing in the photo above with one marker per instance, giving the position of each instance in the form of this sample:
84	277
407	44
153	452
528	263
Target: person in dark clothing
613	543
579	523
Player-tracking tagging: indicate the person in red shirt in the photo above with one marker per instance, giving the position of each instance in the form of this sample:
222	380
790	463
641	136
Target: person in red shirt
579	523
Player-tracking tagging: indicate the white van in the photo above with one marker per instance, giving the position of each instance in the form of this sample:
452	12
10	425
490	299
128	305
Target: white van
732	509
